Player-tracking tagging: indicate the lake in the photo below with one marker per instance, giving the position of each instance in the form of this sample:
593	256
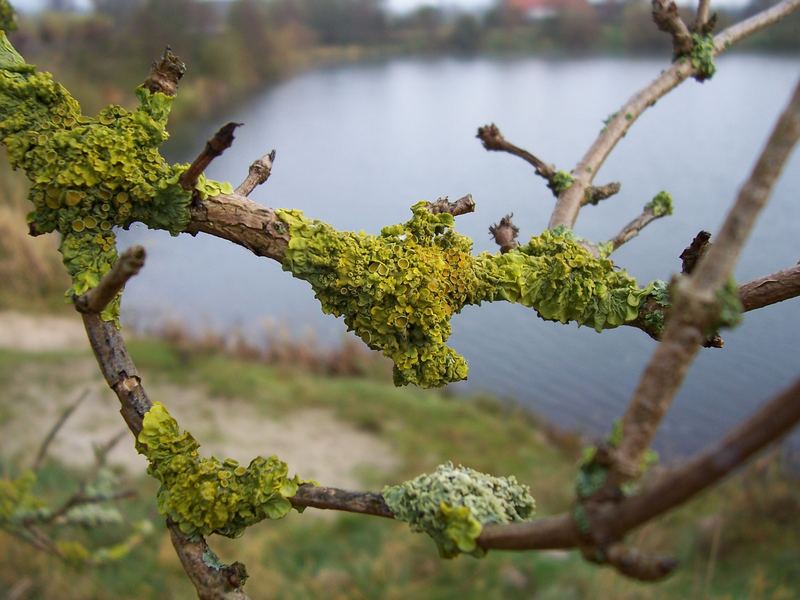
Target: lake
359	144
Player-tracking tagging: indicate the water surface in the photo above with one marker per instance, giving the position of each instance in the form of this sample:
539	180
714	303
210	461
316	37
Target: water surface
357	145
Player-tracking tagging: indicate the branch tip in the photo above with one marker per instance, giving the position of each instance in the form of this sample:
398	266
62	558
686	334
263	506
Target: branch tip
505	233
127	266
258	174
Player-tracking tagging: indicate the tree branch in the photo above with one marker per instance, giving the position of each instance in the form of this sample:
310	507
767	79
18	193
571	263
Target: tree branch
771	289
571	200
257	175
214	147
128	265
694	301
667	19
632	229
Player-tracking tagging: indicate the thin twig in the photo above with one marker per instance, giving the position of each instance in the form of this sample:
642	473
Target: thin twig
112	283
570	201
66	414
702	21
667	19
221	141
632	229
258	174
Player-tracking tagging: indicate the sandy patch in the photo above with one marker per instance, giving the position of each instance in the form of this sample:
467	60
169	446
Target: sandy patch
313	442
34	333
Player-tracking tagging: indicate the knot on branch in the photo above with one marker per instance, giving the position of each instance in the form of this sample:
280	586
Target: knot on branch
165	74
631	562
505	233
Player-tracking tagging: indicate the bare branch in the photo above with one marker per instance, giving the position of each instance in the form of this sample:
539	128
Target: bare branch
56	428
211	579
128	265
165	74
334	499
462	206
632	229
214	147
240	220
257	175
571	200
694	301
703	23
770	289
667	19
595	194
493	140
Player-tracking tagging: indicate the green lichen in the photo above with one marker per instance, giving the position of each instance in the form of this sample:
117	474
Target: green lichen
661	204
730	306
8	18
90	175
702	56
452	505
562	181
398	291
204	495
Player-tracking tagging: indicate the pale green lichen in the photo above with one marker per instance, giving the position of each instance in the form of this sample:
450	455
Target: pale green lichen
398	291
17	499
661	204
702	56
90	175
729	303
452	505
204	495
562	181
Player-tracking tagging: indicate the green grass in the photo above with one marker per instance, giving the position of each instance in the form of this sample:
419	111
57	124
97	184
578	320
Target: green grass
352	556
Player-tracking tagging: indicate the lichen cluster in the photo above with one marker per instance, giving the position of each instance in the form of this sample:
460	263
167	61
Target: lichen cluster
452	505
661	204
204	495
702	56
562	181
89	175
397	291
559	278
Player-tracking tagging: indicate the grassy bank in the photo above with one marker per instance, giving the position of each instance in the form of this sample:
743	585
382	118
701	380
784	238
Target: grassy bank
738	541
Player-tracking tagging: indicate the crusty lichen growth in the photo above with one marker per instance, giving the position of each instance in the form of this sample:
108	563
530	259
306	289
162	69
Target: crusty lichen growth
89	175
204	495
398	291
702	56
452	505
562	181
661	204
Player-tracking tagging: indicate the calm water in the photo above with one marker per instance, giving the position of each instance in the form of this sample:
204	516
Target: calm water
357	145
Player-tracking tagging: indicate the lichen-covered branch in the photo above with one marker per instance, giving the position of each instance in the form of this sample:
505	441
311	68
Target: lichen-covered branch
569	202
111	285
